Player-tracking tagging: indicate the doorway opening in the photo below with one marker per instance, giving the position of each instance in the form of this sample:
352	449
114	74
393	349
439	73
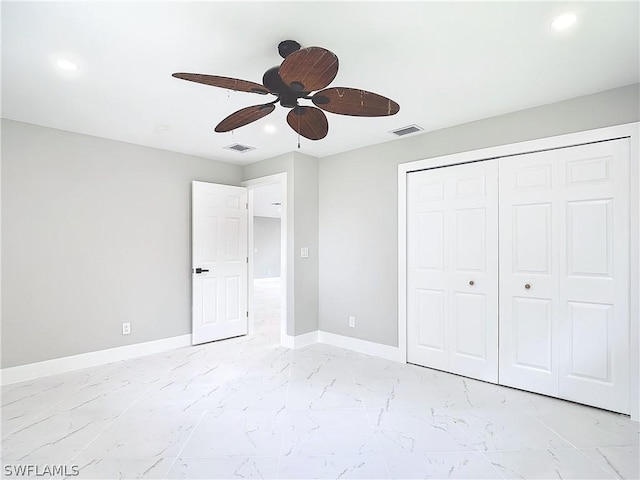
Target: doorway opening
268	257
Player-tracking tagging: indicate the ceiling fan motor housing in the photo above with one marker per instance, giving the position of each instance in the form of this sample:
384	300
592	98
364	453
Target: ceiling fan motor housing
288	98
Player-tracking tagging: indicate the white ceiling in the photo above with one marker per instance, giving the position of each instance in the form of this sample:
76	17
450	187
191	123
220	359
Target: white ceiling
445	63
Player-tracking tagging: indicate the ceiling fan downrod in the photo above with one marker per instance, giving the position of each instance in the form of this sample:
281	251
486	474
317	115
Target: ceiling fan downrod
287	47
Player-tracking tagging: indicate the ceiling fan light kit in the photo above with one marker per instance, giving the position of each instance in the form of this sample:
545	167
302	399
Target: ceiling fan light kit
302	72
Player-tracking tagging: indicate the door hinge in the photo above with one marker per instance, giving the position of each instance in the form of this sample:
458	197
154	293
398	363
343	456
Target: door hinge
247	259
246	206
247	314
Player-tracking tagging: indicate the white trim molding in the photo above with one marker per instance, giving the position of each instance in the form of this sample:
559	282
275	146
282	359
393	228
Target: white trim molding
300	341
286	277
55	366
362	346
630	130
341	341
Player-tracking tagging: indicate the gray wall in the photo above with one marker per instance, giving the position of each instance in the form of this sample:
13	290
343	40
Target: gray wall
266	245
358	210
94	233
302	217
306	235
97	232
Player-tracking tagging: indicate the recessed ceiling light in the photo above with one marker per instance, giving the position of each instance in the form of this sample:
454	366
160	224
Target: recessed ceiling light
269	128
562	22
161	128
67	65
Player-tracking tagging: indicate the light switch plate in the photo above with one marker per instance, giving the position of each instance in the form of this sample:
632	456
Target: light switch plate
304	252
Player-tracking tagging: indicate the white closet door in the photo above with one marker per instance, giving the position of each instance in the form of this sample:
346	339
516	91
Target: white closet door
564	273
594	276
529	273
473	270
427	276
452	321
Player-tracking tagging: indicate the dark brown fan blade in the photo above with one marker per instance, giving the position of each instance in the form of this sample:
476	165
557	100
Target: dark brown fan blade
309	69
244	117
223	82
308	122
355	102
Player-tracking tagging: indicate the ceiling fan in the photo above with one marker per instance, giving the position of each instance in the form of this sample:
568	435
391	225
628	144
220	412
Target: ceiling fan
303	71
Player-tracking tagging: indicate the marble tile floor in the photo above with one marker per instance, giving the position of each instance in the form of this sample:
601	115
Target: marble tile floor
248	408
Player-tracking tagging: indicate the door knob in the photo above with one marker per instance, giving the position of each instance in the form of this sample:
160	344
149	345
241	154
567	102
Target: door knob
527	286
472	283
201	270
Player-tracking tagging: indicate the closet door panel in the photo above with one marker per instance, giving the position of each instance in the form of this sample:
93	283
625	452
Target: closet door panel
531	333
594	278
531	244
427	277
473	321
469	325
430	331
528	273
452	269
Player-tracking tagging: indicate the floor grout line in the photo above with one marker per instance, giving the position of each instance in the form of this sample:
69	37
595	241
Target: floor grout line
186	442
88	444
371	426
610	468
286	400
538	420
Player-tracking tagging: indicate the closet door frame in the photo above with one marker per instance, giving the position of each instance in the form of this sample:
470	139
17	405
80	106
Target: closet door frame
630	131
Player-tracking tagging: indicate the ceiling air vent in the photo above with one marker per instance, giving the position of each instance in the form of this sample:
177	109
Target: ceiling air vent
401	132
236	147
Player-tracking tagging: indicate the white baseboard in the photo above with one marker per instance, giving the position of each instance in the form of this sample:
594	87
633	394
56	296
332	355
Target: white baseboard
30	371
341	341
299	341
361	346
287	341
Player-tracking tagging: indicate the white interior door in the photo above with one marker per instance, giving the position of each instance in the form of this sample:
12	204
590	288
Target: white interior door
594	276
452	281
219	270
529	272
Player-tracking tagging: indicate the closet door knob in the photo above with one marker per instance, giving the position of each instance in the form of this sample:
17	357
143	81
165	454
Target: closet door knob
527	286
472	283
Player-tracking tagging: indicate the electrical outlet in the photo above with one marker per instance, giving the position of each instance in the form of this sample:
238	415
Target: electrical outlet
126	328
352	322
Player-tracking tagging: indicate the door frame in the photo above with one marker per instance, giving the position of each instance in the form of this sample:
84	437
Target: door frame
251	185
629	130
